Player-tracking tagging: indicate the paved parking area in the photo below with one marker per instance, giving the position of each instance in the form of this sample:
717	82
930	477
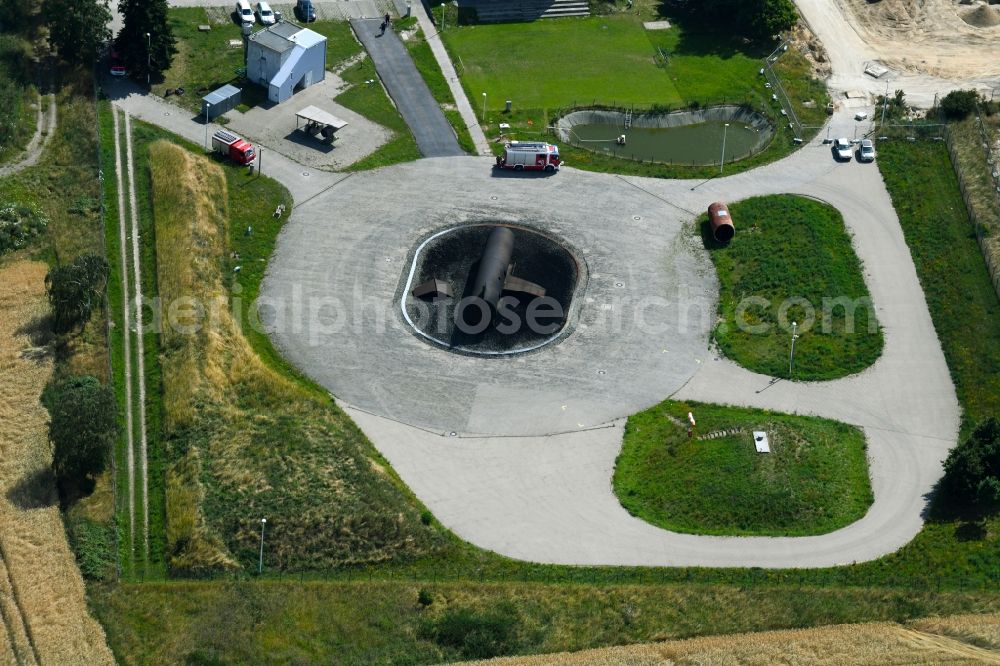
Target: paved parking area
273	125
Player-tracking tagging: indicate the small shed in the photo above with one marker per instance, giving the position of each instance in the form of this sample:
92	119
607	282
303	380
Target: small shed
219	101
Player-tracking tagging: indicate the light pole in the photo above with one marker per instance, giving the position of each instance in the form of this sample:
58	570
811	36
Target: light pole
260	562
442	15
149	48
885	101
484	107
722	161
791	354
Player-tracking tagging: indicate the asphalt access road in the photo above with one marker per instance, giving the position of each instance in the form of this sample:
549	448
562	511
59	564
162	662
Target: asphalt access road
435	137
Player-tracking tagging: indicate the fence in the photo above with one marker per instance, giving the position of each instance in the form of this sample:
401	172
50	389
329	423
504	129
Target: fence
780	95
978	224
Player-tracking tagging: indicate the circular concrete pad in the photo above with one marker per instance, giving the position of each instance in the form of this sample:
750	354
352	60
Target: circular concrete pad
331	298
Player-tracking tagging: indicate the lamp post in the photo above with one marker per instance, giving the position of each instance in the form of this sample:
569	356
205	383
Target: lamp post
260	562
722	161
791	354
149	48
442	15
484	107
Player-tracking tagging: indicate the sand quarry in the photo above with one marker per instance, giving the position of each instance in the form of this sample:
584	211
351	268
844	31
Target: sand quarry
952	39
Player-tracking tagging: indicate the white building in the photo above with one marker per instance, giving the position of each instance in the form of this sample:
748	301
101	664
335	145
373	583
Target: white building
284	58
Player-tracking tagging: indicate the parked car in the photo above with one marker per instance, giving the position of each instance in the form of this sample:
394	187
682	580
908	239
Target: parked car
304	8
244	13
842	149
861	115
265	14
866	153
117	68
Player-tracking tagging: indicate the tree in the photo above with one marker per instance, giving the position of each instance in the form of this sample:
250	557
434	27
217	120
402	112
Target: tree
75	290
766	18
958	104
82	427
757	19
78	29
972	470
145	38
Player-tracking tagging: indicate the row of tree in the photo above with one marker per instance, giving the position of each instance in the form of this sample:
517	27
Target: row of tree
79	31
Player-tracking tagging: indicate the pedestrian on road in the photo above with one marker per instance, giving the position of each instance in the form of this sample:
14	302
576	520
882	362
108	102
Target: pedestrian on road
387	20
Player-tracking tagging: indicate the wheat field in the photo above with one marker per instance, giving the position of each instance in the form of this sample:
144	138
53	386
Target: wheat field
882	643
42	596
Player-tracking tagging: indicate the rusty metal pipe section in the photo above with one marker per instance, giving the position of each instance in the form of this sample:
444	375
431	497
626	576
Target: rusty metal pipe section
721	222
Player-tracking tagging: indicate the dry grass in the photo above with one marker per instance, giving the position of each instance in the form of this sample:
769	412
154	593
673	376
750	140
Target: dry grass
43	601
262	445
981	630
839	645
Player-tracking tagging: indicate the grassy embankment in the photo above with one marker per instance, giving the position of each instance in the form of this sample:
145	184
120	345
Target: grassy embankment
794	253
557	65
815	479
245	442
17	96
366	623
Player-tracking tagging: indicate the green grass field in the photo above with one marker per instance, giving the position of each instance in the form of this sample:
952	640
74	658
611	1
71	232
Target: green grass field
790	262
815	479
557	63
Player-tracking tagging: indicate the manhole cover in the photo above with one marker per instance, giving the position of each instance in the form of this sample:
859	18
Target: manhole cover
637	218
493	198
166	113
305	173
619	284
601	372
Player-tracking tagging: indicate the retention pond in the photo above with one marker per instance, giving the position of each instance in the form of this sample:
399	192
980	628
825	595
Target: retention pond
683	137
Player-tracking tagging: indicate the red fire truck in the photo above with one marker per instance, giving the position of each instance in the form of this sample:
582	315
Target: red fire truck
529	156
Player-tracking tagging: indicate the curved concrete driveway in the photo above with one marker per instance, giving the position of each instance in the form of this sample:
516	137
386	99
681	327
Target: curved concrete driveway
549	498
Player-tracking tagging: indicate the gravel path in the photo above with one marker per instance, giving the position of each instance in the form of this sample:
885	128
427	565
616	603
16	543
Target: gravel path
126	331
45	127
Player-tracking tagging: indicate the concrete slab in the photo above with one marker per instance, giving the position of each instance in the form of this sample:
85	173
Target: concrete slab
274	125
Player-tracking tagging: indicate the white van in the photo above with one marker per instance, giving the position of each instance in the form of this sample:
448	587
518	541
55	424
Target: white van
244	12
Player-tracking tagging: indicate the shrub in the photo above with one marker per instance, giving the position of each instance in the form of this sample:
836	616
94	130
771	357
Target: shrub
19	224
82	428
972	470
424	597
958	104
477	634
75	290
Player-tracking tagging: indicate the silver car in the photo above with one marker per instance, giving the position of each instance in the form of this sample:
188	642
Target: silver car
265	13
842	149
866	153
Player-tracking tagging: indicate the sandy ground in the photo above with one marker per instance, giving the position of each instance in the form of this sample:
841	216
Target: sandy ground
43	601
926	45
868	644
931	36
